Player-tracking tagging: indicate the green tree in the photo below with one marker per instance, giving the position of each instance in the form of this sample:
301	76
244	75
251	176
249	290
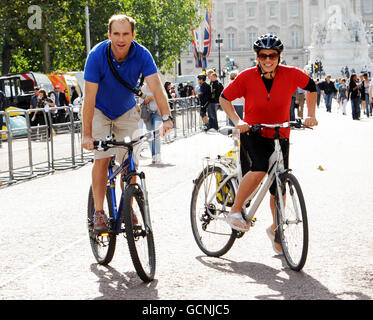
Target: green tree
164	26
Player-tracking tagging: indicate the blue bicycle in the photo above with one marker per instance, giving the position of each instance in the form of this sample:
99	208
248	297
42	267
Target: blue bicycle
132	218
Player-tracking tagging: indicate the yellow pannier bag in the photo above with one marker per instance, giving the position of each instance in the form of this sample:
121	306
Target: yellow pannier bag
227	190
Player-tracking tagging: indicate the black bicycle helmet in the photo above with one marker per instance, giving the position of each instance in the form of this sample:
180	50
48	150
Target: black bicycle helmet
268	41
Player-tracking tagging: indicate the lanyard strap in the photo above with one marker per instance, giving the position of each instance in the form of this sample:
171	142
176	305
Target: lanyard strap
137	92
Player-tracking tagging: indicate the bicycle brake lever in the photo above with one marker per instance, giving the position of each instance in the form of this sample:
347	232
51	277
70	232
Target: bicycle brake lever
99	146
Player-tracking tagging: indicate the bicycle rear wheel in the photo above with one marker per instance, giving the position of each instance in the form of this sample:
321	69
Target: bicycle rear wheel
292	224
139	234
213	235
103	245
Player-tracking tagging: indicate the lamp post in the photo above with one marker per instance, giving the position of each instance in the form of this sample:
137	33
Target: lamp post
219	42
87	34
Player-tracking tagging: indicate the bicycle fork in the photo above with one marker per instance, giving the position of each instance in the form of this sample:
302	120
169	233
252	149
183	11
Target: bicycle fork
146	202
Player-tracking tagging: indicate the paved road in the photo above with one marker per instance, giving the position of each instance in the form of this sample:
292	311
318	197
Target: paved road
45	252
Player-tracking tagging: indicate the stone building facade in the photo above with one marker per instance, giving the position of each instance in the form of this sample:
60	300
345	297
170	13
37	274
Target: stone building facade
240	22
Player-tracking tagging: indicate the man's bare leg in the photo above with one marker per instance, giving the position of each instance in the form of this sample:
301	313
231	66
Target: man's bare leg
99	182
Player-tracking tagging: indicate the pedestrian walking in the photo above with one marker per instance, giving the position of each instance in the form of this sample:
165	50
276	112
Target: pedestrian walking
153	123
204	95
189	90
354	95
293	105
216	90
329	89
343	96
318	92
362	93
60	100
301	99
368	106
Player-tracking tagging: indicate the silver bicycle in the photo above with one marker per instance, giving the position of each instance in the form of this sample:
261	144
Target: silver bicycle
215	190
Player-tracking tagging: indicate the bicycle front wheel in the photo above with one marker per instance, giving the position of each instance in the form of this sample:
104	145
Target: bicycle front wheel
208	209
103	245
139	234
292	224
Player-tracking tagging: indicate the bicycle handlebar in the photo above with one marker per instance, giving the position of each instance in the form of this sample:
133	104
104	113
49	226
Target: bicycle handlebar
257	127
110	142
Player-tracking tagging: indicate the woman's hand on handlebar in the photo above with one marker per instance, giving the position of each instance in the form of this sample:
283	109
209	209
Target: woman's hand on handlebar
310	122
242	126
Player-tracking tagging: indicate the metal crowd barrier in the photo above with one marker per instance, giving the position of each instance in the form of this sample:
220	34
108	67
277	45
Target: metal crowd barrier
36	149
187	120
55	142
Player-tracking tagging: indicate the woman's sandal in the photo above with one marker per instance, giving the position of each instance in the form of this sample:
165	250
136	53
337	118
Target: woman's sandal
233	217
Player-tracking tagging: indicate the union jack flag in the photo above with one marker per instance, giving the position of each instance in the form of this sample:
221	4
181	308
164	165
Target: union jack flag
202	52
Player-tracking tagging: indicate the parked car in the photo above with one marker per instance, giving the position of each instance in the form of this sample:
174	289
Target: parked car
17	122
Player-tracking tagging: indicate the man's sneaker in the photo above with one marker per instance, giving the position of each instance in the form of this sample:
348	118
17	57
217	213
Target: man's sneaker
100	222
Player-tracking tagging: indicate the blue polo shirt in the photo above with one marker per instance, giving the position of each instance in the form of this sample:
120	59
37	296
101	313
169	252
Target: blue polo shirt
112	98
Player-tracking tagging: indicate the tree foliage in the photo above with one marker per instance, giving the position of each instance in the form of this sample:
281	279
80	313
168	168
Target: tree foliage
163	26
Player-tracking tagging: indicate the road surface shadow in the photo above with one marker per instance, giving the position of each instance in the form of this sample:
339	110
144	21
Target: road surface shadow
115	285
296	286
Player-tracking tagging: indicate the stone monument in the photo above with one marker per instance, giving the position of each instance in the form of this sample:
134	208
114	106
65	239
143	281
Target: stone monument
339	40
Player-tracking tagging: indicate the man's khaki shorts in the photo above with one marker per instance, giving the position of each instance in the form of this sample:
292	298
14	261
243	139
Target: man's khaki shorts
125	125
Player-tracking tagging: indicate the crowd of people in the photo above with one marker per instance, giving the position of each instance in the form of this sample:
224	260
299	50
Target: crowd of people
43	100
207	90
358	90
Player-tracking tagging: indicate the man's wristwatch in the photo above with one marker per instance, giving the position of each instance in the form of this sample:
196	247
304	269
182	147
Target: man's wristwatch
166	117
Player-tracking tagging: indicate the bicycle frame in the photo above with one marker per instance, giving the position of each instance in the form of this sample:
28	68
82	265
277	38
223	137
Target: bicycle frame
129	168
276	165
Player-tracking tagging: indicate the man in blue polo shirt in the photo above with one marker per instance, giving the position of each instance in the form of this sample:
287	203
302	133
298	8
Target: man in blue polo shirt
109	107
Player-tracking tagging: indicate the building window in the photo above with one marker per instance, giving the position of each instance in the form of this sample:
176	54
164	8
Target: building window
251	11
272	7
293	8
230	40
368	6
252	38
230	11
295	39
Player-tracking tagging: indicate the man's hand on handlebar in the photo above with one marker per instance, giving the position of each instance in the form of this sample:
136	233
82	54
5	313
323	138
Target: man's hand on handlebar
87	143
165	127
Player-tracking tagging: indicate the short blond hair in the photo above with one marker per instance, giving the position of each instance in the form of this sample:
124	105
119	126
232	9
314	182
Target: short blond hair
121	18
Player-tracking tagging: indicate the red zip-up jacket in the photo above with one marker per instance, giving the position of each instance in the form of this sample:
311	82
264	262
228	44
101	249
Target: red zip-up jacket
266	107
